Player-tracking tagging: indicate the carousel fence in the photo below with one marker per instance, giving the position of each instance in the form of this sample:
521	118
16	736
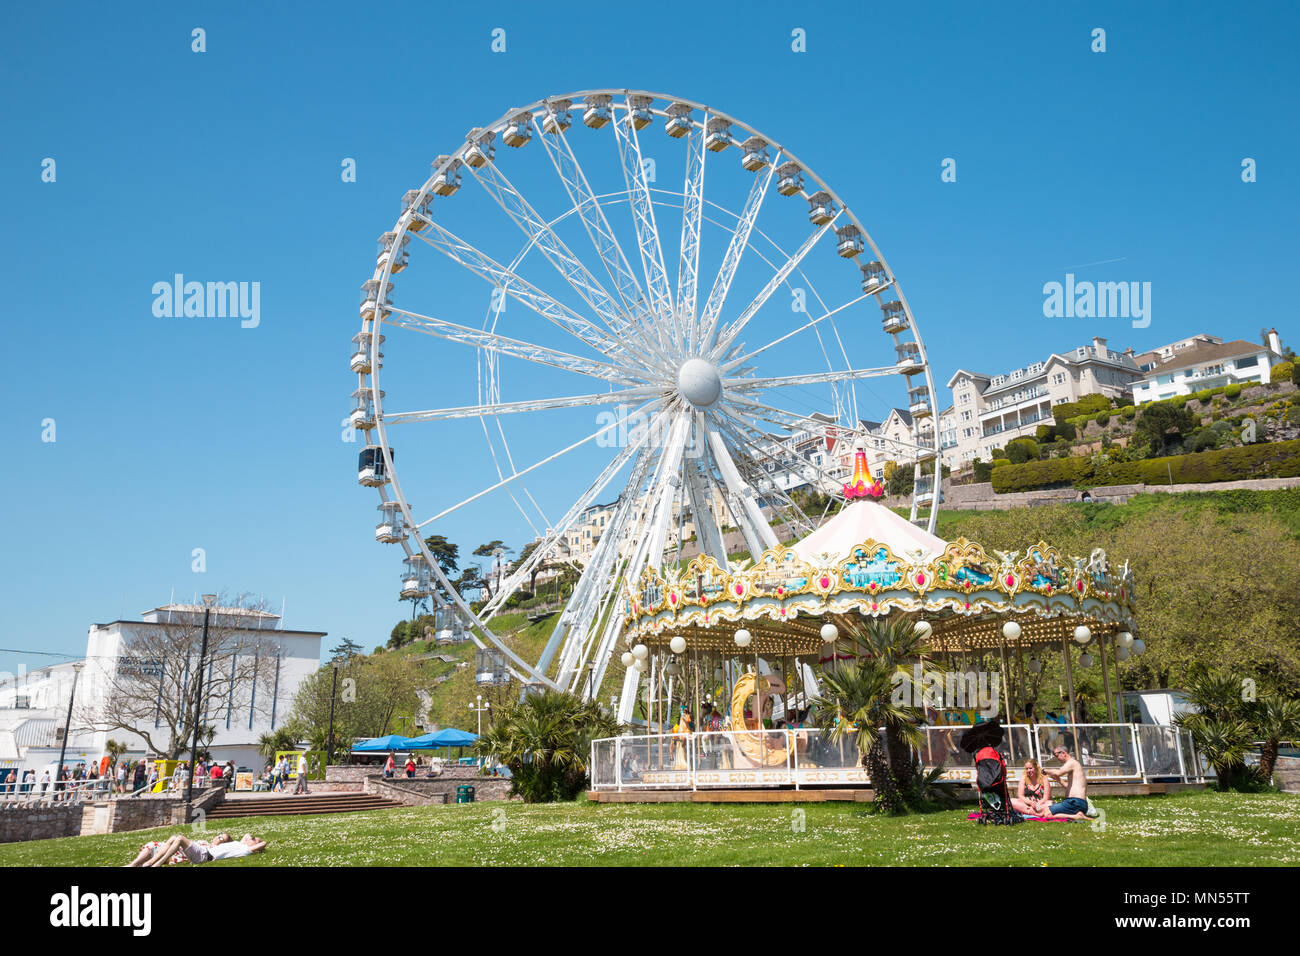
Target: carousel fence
810	757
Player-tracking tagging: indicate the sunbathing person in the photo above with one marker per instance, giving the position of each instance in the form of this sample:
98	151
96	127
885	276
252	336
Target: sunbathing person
1034	794
180	848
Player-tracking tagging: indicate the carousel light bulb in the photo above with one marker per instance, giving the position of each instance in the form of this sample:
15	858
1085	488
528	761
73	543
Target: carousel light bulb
638	663
677	644
1035	665
640	652
1124	639
743	637
627	658
1121	653
1139	645
922	629
1082	634
1085	660
1011	630
830	633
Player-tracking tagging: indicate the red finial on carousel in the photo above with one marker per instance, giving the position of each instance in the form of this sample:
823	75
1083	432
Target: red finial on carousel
862	485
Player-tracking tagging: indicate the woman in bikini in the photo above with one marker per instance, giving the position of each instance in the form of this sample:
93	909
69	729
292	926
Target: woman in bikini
1034	793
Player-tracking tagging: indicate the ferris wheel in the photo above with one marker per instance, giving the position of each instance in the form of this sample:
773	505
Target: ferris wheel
632	333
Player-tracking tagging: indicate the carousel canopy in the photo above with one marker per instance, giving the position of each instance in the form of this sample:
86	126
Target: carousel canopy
866	521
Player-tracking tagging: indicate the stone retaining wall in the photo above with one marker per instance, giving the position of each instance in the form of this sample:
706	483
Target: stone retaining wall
423	790
981	496
40	822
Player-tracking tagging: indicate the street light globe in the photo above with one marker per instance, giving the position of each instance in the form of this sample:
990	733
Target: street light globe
922	629
1085	660
627	658
830	633
1035	665
1124	639
640	652
638	663
677	644
743	637
1011	630
1082	634
1121	653
1139	645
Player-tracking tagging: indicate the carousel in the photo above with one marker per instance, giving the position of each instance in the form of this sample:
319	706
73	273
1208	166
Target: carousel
743	646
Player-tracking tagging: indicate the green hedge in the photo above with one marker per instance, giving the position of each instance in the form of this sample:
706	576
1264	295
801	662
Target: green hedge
1268	460
1085	407
1281	372
1232	391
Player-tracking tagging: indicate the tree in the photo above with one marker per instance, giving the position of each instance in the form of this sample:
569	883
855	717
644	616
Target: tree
1282	372
348	649
1276	721
493	549
371	695
862	696
284	738
545	741
444	552
525	553
1161	426
114	749
151	691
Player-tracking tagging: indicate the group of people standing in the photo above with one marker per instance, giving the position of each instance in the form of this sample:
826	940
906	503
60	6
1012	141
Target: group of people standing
276	776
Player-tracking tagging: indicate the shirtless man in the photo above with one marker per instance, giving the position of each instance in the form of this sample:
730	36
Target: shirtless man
1075	804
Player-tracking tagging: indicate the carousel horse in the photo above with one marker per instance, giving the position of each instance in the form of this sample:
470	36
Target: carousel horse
750	745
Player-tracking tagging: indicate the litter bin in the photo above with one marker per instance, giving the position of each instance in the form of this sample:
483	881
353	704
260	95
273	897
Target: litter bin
465	793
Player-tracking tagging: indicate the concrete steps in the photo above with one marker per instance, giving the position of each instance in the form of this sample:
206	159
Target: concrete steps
299	805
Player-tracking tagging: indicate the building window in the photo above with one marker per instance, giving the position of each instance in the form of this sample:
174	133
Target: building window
1248	362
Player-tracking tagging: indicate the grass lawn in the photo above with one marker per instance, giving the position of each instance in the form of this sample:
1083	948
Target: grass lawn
1203	829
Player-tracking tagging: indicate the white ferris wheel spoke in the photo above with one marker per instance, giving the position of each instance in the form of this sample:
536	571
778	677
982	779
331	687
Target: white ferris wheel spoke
643	217
531	405
515	476
733	330
584	501
753	473
688	270
508	282
749	516
491	341
789	420
731	261
732	363
812	378
602	236
541	235
599	572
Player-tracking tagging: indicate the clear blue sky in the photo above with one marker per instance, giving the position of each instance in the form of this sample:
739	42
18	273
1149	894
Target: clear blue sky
177	434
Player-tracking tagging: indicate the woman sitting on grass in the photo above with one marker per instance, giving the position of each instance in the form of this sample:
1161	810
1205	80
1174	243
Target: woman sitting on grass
1034	794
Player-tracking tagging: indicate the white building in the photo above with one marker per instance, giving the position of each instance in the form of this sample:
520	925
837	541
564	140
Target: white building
989	411
1146	361
1209	365
34	705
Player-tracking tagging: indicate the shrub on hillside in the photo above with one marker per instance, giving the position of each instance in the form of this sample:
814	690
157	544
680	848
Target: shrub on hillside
1282	372
1295	373
1086	406
983	470
1204	395
1022	450
1127	413
1103	419
1232	391
1265	460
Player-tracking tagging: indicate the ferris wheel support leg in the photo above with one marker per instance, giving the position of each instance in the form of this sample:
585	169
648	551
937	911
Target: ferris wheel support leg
627	700
750	516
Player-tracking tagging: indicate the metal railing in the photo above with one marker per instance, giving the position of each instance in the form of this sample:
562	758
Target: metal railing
810	757
98	790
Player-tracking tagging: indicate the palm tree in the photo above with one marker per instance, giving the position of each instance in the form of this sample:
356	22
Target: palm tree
1275	721
545	741
865	698
1220	728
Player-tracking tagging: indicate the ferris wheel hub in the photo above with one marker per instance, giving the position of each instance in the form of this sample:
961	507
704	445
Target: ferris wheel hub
699	382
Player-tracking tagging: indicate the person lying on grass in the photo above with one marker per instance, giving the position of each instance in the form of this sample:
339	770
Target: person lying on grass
180	848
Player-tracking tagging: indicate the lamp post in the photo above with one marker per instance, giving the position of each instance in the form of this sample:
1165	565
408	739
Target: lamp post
479	709
208	601
329	740
67	724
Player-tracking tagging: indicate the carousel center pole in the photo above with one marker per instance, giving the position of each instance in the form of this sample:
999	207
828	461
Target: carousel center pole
1069	683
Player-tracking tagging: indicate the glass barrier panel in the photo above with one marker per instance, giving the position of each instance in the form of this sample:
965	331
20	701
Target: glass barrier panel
744	758
658	761
821	758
